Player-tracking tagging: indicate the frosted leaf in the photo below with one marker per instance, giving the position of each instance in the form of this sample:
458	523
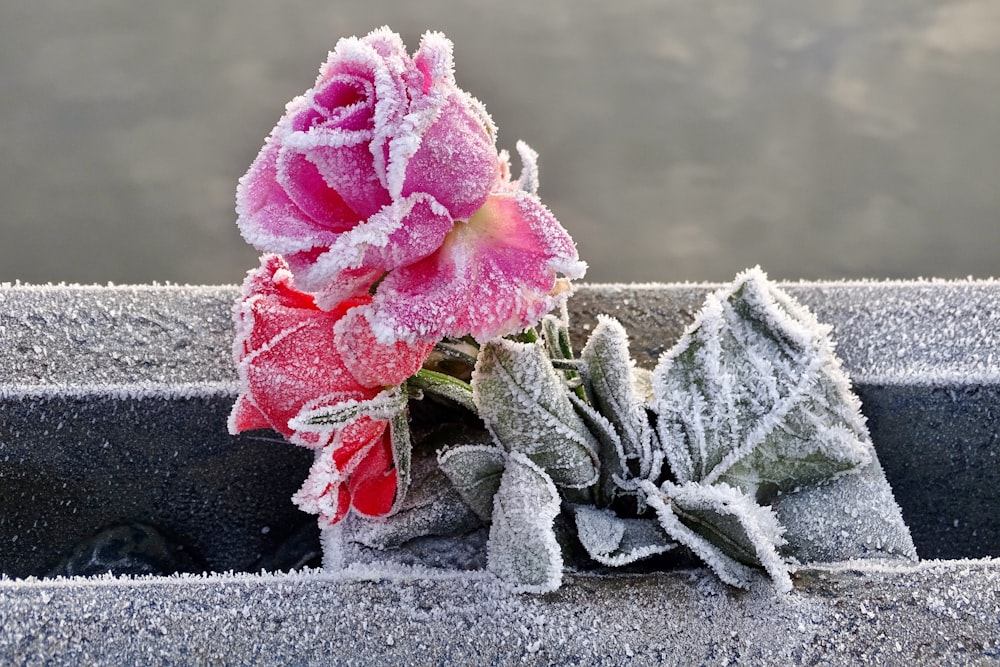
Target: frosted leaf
384	405
522	550
555	333
444	386
608	369
612	469
526	408
851	517
753	395
402	453
724	527
474	471
614	541
431	508
528	180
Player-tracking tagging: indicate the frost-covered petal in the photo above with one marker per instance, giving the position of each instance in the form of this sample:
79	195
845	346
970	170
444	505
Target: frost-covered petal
295	368
400	233
374	364
373	482
495	275
271	221
285	354
456	163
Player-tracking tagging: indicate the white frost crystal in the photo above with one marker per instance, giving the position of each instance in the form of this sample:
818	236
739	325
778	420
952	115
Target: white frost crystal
753	395
525	406
522	550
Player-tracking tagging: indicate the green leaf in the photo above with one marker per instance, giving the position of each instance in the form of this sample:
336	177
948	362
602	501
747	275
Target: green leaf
525	405
474	471
522	550
383	405
724	527
609	374
615	541
402	453
444	386
752	395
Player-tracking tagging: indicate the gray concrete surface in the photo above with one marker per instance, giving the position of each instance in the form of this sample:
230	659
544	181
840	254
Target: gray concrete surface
936	613
678	140
113	404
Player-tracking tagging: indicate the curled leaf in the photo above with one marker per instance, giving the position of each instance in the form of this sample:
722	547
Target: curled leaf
522	550
474	471
724	527
615	541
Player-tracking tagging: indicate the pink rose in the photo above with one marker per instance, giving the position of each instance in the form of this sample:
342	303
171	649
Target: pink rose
369	170
291	356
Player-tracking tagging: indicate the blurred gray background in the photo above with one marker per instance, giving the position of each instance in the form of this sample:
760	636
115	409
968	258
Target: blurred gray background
679	140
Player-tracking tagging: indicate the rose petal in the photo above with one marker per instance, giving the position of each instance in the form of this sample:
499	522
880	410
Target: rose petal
456	163
293	369
371	363
373	483
401	233
267	217
493	276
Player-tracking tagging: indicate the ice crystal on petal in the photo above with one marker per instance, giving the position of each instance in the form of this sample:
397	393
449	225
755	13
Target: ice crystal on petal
522	550
752	395
525	406
615	541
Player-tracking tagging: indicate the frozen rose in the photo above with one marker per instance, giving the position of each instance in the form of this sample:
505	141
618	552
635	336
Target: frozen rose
291	356
495	274
368	170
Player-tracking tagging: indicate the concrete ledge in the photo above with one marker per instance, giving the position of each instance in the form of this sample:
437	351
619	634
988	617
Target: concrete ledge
113	404
936	613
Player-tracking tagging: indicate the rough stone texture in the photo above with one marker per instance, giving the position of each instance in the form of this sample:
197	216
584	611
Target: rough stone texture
936	613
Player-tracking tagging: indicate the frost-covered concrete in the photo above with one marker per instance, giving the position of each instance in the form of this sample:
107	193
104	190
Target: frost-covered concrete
936	613
113	405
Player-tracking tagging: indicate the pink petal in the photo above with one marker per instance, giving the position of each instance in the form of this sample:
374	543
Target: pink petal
294	368
371	363
401	233
456	163
268	218
493	276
